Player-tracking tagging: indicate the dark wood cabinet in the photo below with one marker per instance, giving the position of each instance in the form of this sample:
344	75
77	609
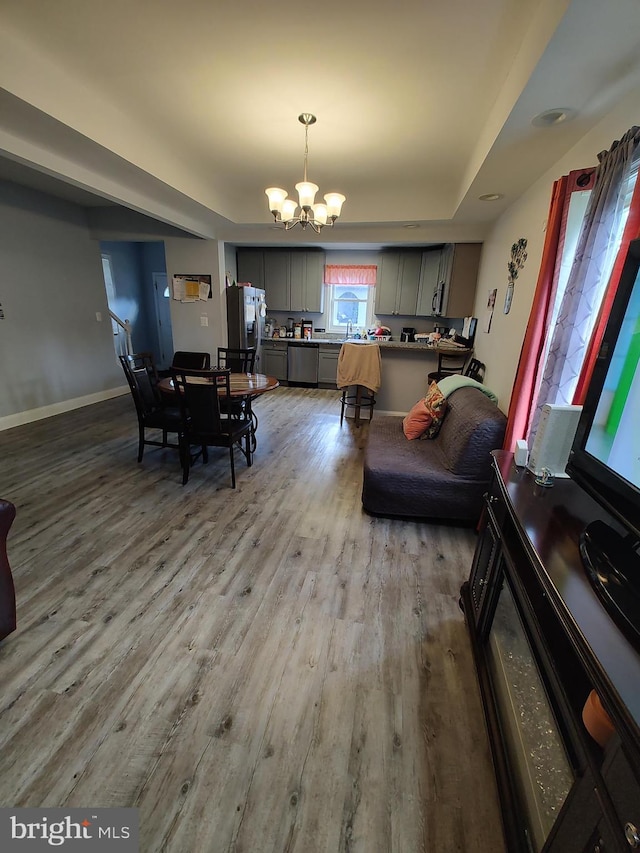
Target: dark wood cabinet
542	642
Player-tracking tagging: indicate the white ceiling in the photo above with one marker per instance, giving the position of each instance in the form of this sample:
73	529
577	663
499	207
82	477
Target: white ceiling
187	111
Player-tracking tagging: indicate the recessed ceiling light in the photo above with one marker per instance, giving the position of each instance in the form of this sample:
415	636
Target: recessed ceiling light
490	197
412	225
554	117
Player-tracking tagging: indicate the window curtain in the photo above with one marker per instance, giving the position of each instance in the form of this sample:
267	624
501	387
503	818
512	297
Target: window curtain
631	232
589	274
526	382
350	274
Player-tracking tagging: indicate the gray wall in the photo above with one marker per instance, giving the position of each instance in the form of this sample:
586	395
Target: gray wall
201	325
52	348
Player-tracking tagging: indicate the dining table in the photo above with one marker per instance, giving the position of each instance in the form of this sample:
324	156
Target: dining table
246	386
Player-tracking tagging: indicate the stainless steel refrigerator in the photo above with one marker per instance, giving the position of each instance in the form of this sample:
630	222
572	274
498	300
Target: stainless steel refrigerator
246	313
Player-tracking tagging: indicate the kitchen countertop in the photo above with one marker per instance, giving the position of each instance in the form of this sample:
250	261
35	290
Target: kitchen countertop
396	345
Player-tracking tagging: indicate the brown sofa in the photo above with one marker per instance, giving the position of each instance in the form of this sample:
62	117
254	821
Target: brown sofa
7	592
441	478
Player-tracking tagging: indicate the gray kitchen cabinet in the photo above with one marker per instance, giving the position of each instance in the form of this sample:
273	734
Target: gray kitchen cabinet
430	272
398	281
274	359
293	280
328	364
251	266
307	282
460	287
448	280
277	279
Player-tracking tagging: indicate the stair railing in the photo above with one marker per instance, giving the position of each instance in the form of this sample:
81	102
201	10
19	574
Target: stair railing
125	325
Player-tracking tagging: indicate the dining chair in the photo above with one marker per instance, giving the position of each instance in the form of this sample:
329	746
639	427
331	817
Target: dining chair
7	589
152	411
205	423
237	360
191	360
475	370
448	364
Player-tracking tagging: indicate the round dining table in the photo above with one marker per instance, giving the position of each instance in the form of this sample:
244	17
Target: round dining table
242	385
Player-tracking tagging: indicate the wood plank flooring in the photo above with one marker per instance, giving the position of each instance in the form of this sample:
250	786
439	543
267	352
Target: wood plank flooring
261	670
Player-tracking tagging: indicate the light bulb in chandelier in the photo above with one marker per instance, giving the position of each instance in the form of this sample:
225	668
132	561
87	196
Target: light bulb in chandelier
317	215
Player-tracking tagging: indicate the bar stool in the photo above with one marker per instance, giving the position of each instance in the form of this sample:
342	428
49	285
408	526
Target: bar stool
448	365
358	375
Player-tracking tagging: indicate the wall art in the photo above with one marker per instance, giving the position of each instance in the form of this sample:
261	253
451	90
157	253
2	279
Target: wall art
518	257
488	316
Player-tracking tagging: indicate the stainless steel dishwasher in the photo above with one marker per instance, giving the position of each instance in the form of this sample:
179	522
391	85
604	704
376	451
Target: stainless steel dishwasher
302	364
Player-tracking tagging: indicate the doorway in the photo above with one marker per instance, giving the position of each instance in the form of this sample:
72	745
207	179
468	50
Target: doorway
163	319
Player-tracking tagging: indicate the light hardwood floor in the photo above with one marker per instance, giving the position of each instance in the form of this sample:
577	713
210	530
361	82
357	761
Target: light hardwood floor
261	670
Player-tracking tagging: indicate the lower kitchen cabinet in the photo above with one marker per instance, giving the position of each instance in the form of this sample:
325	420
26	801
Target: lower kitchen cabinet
542	643
274	360
328	365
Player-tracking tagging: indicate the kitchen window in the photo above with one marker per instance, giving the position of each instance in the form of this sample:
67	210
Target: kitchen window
350	291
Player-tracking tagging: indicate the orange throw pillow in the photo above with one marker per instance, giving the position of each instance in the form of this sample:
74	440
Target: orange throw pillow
425	418
417	420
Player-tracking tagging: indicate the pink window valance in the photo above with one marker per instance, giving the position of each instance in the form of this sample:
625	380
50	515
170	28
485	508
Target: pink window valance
350	274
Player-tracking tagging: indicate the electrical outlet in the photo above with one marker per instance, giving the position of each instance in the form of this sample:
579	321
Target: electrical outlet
99	316
204	321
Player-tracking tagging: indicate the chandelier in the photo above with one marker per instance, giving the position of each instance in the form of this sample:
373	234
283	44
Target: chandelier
315	215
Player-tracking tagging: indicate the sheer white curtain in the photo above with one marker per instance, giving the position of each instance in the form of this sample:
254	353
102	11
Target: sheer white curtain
595	254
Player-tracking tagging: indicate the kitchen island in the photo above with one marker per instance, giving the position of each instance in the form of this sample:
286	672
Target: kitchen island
404	368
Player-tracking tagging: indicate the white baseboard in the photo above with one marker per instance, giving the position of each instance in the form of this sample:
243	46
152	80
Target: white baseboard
383	412
21	418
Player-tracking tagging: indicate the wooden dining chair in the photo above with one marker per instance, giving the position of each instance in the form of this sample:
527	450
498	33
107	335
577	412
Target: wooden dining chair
152	410
475	370
448	364
7	590
191	360
237	360
205	424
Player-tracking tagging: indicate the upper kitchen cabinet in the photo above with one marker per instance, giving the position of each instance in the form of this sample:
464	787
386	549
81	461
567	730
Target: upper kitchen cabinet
251	266
448	280
277	279
398	280
293	280
307	282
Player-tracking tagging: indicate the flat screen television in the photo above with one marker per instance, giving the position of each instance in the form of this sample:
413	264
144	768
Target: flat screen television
605	456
